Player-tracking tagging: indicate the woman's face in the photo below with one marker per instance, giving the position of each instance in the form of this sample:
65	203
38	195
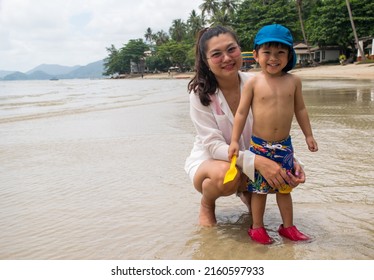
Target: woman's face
223	55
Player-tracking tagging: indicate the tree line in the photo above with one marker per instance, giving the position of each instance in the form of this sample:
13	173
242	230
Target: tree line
314	22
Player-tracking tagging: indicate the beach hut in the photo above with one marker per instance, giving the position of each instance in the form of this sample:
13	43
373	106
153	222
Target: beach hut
367	45
248	60
326	53
302	54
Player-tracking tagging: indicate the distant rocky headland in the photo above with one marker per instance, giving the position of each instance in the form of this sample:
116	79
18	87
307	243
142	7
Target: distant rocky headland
92	70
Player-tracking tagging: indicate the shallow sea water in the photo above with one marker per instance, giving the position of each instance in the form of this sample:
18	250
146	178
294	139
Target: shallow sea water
93	169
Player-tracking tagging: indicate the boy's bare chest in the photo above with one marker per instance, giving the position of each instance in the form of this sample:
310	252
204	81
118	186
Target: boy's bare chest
281	94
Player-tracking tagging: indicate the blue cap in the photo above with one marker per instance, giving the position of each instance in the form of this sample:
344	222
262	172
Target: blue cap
277	33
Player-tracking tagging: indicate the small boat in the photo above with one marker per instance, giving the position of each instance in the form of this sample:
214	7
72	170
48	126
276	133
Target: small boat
53	79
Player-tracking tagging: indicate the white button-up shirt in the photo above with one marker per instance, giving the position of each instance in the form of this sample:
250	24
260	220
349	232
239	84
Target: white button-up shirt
214	125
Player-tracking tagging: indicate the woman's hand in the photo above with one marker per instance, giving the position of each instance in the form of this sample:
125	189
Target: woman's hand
273	173
276	176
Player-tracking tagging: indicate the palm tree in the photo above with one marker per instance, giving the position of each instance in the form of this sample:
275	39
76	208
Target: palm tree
195	23
209	7
299	4
354	31
229	6
112	62
148	35
161	37
220	18
178	30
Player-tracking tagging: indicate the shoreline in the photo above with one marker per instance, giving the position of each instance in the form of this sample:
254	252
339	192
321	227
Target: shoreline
349	71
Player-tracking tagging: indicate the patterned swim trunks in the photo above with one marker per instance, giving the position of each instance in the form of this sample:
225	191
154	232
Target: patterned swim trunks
280	152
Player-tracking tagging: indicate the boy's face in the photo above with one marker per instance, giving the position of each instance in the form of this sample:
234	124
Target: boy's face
272	59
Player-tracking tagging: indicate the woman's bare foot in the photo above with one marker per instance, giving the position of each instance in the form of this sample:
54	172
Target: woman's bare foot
207	216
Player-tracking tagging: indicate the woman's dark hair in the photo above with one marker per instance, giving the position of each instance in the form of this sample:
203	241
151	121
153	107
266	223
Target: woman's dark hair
204	83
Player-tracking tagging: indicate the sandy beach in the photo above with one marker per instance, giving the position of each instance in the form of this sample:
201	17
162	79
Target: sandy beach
349	71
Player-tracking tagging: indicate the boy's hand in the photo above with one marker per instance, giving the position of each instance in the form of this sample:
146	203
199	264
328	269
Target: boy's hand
312	144
233	149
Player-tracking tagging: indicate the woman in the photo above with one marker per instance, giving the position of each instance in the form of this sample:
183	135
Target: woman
214	100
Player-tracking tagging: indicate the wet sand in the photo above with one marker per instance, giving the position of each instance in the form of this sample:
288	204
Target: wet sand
107	182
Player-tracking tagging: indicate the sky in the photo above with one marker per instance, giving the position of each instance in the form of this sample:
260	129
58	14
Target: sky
77	32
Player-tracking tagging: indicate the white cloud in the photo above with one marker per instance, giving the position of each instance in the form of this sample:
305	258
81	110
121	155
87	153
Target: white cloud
77	32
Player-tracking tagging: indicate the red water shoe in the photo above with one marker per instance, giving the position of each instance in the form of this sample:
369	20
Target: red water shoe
260	235
292	233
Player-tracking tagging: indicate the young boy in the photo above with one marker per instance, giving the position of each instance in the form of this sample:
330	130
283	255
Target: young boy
274	97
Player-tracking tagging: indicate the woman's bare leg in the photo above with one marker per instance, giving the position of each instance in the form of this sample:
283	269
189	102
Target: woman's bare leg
246	197
209	181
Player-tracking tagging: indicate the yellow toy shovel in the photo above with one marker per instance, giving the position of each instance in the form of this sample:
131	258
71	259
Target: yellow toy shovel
231	173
